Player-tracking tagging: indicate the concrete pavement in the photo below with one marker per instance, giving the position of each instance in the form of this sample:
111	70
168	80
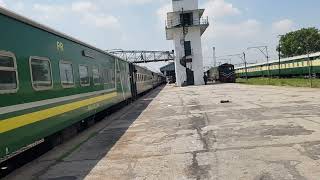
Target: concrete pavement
263	133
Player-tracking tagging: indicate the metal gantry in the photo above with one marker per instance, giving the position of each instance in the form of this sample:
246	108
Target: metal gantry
137	56
265	52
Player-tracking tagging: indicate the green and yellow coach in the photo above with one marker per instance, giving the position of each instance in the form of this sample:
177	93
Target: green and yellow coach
49	81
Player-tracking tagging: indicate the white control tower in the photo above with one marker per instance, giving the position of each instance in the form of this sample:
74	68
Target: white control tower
185	27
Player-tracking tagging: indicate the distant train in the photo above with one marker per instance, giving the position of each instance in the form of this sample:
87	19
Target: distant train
298	66
224	73
50	81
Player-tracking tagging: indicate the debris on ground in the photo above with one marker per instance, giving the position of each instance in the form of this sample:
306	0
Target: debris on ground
225	101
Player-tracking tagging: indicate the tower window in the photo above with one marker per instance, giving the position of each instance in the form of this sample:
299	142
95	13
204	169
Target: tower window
187	48
186	19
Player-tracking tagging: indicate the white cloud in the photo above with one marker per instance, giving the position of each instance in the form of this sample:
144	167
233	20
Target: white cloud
18	6
3	4
162	11
50	12
88	13
83	6
283	26
236	30
220	8
101	20
127	2
91	14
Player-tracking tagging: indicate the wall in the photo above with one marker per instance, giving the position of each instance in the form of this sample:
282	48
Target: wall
185	4
197	59
179	53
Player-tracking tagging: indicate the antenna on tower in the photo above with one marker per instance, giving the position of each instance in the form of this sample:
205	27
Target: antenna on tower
214	57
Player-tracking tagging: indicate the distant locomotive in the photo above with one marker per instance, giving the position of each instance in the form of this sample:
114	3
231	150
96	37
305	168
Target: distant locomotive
224	73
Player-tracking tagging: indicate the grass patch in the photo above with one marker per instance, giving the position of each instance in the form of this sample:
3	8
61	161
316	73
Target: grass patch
294	82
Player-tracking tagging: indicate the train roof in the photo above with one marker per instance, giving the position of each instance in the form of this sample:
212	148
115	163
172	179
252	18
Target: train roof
50	30
168	67
283	60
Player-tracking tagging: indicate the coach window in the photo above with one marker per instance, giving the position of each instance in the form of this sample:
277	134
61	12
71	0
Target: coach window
96	76
84	75
66	74
41	74
105	76
8	73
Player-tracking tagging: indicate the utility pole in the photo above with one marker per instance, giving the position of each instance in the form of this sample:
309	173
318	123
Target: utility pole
245	65
306	49
279	51
214	57
310	66
265	52
279	59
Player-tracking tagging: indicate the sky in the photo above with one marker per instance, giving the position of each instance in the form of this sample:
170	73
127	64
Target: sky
140	24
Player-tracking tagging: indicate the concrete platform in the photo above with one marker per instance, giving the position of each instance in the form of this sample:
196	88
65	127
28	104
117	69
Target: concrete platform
263	133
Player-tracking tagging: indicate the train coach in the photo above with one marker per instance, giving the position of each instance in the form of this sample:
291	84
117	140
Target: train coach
298	66
50	81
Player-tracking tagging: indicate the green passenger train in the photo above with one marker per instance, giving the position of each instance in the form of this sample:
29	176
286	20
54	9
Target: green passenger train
299	66
50	81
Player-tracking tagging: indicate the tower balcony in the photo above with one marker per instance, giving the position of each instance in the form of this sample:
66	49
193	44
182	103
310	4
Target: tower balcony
177	23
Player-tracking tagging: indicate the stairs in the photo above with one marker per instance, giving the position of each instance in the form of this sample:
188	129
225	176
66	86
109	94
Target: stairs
185	61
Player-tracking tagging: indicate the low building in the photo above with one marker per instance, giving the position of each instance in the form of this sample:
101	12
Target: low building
169	72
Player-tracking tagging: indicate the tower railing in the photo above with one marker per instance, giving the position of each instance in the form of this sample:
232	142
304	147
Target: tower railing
177	23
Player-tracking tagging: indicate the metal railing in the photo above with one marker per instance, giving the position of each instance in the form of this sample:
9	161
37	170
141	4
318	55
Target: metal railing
176	23
138	56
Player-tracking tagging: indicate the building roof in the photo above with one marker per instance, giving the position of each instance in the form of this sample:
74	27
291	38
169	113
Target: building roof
201	11
168	67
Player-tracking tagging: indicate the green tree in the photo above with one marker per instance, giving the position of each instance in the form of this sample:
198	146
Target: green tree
300	42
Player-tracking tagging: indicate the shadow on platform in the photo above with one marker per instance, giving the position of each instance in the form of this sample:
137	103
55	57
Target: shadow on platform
83	160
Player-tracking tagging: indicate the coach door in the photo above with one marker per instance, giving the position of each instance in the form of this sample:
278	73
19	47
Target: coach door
133	81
